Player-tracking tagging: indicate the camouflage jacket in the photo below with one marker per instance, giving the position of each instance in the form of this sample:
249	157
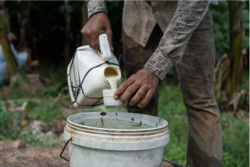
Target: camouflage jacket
177	20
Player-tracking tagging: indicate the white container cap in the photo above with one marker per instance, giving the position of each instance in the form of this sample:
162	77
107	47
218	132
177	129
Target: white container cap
108	98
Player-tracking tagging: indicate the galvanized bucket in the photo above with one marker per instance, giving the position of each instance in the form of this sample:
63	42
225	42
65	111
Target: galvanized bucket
115	139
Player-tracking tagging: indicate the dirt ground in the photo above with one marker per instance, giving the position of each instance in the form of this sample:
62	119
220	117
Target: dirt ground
36	157
30	157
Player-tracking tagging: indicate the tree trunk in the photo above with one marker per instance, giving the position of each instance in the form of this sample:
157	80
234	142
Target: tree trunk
67	31
233	82
84	19
26	36
8	54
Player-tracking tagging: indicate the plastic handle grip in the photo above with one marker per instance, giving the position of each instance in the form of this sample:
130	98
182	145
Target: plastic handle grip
104	47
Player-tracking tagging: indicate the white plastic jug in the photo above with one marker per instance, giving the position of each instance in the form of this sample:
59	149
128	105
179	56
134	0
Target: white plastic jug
90	74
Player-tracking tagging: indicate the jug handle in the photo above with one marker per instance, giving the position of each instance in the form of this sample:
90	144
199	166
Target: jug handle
104	47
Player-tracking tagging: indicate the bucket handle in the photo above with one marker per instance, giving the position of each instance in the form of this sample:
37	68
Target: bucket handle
64	149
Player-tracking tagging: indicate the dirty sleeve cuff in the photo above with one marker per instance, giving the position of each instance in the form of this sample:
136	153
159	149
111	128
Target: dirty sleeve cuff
158	65
96	6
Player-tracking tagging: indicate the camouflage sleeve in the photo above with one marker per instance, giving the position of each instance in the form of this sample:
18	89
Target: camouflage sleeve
96	6
172	45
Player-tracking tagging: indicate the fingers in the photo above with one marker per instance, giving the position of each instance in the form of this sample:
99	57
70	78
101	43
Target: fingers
139	95
128	93
95	38
97	24
87	34
92	37
109	34
141	86
145	100
123	87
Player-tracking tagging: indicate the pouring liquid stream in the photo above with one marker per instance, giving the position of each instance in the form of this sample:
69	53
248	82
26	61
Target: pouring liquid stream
112	77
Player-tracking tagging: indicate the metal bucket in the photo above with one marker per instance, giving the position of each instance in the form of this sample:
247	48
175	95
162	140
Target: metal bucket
116	139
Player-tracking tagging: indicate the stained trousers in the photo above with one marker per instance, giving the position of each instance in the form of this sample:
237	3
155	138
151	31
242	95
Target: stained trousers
195	73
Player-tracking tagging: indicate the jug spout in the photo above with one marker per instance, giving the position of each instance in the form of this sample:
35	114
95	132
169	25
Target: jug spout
111	76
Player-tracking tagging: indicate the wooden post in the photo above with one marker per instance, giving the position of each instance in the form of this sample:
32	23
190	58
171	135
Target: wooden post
8	54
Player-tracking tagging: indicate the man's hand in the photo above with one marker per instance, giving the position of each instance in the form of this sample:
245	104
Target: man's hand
97	24
144	83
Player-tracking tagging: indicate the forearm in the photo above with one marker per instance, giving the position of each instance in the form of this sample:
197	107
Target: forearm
96	6
171	48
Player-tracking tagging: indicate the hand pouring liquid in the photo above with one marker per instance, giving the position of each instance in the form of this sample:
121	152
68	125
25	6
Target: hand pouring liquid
93	76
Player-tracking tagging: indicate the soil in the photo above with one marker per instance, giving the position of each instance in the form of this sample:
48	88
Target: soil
31	157
36	157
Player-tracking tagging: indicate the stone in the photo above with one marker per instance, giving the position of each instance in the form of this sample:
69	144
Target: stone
18	144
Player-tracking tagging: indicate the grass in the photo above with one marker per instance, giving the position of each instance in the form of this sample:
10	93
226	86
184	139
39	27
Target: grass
50	91
235	132
11	122
32	140
7	122
47	112
10	128
171	108
235	141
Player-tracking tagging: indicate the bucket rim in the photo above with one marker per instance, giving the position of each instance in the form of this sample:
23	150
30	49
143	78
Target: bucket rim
113	114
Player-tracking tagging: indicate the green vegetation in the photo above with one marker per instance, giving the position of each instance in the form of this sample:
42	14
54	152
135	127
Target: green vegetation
13	122
235	141
235	132
10	125
10	128
44	112
50	91
32	140
172	109
221	27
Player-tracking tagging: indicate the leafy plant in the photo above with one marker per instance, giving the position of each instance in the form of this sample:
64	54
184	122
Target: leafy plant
50	91
50	113
10	125
221	28
231	37
46	113
245	22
